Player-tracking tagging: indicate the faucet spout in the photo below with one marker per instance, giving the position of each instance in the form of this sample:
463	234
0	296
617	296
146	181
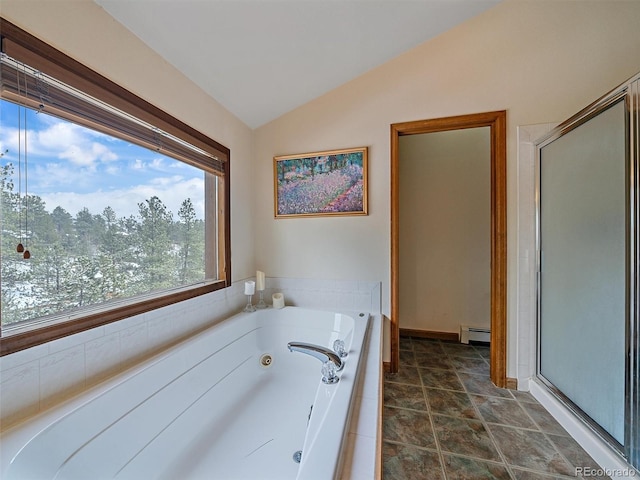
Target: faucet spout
321	353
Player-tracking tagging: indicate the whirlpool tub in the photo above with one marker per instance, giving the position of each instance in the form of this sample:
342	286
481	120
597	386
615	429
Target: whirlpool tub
230	403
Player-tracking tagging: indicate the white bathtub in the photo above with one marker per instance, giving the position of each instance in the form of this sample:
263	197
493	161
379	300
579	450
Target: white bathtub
205	409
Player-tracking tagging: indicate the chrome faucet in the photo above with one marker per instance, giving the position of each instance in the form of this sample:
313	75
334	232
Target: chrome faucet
331	361
321	353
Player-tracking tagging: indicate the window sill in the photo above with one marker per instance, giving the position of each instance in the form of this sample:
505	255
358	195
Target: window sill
16	338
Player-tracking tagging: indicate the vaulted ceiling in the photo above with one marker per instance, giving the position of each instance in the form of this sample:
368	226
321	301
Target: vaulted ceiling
263	58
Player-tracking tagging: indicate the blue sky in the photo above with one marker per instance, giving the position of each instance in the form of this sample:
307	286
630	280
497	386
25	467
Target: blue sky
75	167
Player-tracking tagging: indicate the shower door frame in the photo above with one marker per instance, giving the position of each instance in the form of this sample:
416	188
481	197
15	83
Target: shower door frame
629	93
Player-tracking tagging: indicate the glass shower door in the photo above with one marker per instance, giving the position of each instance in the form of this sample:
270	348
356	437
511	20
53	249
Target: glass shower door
584	258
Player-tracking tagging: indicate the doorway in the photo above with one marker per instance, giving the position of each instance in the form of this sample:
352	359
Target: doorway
496	121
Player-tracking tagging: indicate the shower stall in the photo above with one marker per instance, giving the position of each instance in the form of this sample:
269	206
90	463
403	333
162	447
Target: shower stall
588	259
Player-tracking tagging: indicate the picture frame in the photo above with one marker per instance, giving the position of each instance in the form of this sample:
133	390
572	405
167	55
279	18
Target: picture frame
327	183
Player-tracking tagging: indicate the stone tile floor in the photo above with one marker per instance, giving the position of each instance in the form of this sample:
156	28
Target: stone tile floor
444	419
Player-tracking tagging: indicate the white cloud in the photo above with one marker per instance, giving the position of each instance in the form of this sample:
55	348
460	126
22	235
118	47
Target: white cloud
164	181
113	170
58	139
65	156
159	164
44	176
125	201
87	155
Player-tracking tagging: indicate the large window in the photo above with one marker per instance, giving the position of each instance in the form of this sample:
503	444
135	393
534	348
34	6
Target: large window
110	207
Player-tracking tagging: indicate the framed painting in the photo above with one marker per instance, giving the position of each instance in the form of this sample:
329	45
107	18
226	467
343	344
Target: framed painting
321	183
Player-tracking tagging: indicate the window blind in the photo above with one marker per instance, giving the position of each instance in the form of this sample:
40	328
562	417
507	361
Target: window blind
28	75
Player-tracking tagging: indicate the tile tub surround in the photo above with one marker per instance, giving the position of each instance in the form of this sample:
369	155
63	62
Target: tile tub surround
326	294
35	379
444	419
361	456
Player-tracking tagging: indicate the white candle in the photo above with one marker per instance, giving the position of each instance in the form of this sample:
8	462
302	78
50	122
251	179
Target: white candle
249	288
260	280
278	300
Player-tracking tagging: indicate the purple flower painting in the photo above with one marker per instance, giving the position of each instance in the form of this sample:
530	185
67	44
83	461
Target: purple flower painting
321	183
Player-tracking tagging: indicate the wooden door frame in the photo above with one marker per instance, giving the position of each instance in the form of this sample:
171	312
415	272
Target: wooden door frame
497	123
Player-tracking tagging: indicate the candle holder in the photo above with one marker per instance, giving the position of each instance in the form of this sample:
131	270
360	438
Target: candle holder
249	307
261	303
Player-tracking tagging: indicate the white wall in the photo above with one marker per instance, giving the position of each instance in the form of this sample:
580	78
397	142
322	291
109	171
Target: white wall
542	61
84	31
445	230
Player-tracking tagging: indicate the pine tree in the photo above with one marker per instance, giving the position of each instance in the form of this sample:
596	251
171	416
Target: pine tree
155	253
191	244
114	256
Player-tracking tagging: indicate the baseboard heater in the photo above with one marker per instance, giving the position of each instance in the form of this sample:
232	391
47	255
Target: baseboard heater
474	334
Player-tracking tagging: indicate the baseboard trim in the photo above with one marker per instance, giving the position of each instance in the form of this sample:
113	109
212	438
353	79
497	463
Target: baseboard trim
448	336
512	383
386	367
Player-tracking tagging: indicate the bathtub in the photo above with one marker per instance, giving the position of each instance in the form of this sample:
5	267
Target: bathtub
231	402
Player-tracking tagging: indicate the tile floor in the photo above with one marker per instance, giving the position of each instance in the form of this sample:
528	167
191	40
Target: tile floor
444	419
